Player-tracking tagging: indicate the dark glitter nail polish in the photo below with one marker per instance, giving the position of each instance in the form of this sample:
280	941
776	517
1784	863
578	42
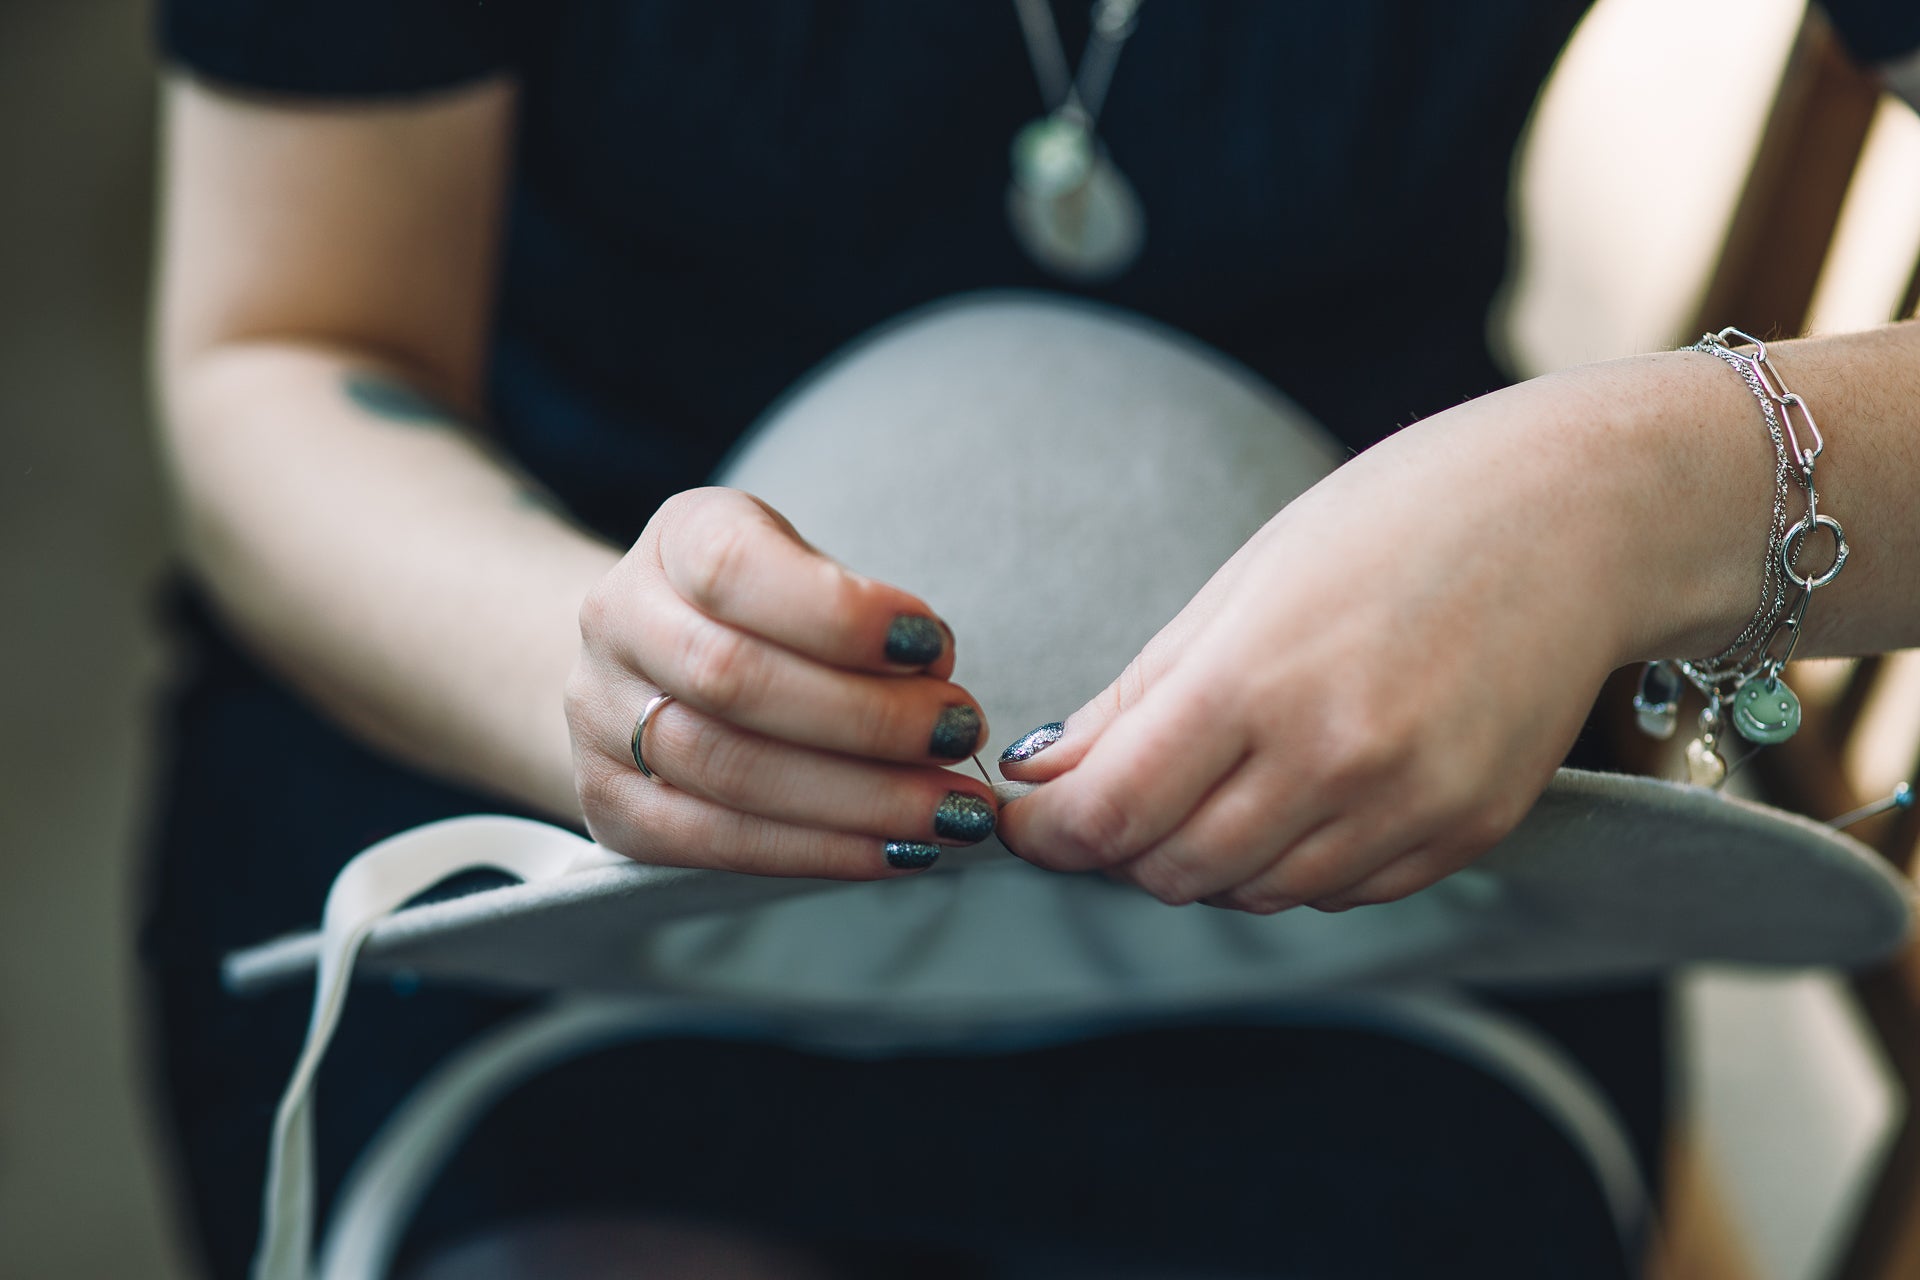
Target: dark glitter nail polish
1033	742
955	733
963	817
914	640
905	855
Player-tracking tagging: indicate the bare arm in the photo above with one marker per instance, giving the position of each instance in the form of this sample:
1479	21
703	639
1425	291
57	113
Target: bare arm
322	320
325	284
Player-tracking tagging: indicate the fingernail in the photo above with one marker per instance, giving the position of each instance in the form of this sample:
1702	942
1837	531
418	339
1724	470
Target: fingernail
1033	742
956	733
905	855
914	640
963	817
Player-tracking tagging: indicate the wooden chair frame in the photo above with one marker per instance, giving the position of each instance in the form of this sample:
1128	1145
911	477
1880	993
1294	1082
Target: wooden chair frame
1764	281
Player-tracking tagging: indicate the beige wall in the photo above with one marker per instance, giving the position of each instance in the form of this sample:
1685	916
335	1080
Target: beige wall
80	543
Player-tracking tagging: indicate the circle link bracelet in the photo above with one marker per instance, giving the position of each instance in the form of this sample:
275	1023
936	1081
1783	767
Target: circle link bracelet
1742	683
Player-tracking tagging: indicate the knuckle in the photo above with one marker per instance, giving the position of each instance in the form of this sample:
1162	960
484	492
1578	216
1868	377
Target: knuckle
845	594
1486	825
718	669
597	787
1130	688
1312	868
1295	884
1363	761
1258	898
672	833
1167	879
886	722
1369	743
1481	832
576	698
1381	893
1264	895
1390	885
714	555
671	517
715	760
1095	829
596	613
722	839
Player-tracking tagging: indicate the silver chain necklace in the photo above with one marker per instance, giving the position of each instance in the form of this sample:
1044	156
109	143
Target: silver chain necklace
1071	209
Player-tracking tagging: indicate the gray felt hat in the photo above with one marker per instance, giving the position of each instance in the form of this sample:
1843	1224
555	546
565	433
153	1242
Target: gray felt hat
1057	481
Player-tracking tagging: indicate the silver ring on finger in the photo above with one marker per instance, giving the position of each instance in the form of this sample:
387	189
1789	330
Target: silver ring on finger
658	701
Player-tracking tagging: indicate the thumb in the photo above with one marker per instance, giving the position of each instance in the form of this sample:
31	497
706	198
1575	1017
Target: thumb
1046	752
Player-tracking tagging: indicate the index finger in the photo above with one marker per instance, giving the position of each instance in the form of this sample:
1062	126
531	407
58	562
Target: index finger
740	562
1139	780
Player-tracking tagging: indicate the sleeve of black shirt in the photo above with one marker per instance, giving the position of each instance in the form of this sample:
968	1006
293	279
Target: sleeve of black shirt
1877	31
338	48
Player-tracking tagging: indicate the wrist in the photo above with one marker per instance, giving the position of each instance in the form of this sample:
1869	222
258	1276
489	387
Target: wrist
1678	450
1639	488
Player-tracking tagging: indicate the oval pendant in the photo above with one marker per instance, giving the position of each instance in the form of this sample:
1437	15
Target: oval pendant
1089	233
1766	711
1052	156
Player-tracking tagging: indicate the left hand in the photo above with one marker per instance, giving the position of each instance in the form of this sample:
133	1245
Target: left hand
1377	686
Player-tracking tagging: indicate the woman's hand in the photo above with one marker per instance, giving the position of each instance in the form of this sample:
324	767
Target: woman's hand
1376	688
812	707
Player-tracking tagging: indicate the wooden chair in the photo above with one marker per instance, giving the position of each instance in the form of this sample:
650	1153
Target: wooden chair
1765	281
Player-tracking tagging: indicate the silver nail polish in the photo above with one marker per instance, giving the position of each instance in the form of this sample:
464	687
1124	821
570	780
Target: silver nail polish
1033	742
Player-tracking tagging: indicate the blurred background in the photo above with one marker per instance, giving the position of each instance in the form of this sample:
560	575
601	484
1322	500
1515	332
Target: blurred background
82	543
1626	195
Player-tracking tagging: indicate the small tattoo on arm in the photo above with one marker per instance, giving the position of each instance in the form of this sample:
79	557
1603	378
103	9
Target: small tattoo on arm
536	499
395	401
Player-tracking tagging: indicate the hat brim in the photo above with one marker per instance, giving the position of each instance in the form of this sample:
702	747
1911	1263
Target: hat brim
1609	879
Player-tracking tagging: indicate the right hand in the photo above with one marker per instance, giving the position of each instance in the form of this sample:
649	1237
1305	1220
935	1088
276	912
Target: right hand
795	744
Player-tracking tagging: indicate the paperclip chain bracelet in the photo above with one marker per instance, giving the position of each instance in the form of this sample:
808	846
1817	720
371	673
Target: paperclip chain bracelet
1742	683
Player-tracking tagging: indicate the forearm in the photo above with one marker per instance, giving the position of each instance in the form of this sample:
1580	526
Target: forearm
1661	464
422	593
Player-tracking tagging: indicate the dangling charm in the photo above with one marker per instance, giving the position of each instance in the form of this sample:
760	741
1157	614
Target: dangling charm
1071	209
1053	155
1765	711
1657	706
1706	767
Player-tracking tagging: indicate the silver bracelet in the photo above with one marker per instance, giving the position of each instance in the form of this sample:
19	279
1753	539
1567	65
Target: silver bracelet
1742	683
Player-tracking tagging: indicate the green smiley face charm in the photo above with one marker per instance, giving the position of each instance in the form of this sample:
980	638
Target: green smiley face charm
1766	711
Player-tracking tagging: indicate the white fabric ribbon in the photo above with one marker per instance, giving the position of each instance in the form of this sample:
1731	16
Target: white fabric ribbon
377	882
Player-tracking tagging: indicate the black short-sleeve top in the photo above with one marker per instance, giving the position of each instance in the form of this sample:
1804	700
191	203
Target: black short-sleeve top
707	199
